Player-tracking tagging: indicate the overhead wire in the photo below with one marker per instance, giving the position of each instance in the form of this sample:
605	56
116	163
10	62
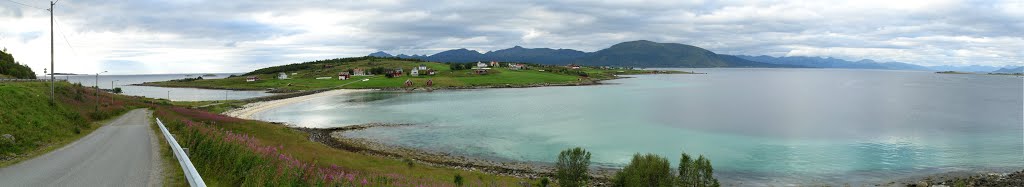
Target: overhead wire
61	30
23	4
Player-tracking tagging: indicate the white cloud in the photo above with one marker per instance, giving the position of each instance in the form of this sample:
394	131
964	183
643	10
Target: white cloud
192	36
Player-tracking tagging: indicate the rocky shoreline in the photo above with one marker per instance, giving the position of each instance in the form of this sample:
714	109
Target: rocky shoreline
332	137
964	179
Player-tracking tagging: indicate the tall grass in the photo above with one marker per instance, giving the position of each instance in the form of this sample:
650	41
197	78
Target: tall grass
244	161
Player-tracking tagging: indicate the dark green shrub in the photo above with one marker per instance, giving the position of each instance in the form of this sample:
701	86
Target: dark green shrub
648	170
544	182
571	169
696	172
458	180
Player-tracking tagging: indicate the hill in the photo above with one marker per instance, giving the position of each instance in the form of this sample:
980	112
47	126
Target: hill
12	69
633	54
35	125
1018	69
645	53
819	62
379	71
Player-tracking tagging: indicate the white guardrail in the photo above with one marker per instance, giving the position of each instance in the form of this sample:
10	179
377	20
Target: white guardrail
191	174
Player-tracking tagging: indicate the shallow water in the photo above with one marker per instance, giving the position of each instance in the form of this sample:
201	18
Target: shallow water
758	126
175	94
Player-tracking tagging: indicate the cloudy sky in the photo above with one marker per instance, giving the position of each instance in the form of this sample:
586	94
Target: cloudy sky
154	36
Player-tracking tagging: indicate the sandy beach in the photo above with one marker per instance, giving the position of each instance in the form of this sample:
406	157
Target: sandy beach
247	111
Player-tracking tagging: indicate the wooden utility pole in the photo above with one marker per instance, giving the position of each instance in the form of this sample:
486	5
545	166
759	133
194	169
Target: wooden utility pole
52	71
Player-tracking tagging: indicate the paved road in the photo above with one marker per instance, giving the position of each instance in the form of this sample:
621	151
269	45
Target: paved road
121	153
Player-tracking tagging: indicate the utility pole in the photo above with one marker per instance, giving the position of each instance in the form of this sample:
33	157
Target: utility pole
112	92
97	91
52	71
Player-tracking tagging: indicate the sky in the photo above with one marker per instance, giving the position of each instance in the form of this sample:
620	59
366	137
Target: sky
189	36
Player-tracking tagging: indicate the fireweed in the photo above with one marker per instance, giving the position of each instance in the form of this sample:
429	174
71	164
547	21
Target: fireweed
246	162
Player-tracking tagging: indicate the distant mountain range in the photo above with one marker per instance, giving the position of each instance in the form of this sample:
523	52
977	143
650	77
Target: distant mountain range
1018	69
640	53
643	53
818	62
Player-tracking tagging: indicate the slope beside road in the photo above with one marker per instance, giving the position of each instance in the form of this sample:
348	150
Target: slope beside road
121	153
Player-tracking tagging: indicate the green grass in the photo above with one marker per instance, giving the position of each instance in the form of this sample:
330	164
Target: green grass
445	77
296	144
40	126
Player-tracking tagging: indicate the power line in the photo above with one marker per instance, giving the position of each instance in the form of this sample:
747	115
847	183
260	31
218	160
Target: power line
23	4
61	30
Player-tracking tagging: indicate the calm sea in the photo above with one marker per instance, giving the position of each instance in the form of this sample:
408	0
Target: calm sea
175	94
758	126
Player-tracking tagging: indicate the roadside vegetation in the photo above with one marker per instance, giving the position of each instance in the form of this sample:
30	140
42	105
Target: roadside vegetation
240	152
31	125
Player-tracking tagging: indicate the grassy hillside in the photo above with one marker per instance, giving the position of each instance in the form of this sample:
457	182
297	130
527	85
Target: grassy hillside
303	76
37	125
12	69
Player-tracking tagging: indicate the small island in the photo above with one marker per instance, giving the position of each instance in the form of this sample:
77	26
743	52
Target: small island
389	73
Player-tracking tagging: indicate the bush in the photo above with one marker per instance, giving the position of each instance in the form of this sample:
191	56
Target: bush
696	172
458	180
648	170
571	169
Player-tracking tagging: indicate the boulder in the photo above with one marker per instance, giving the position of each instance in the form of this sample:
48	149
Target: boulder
7	138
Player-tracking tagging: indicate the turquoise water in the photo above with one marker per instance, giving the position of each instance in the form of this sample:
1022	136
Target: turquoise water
758	126
175	94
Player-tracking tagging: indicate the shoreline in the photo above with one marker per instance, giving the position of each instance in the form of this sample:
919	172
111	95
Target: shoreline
332	137
248	110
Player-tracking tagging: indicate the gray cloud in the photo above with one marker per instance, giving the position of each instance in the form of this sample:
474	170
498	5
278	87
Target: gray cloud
262	33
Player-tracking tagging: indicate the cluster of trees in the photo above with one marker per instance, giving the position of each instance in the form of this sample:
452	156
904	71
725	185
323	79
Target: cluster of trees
311	64
646	170
12	68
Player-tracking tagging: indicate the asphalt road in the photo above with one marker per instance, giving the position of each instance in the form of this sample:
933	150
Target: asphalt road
121	153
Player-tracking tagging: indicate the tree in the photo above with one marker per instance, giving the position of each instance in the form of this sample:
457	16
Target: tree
697	172
117	90
571	169
647	170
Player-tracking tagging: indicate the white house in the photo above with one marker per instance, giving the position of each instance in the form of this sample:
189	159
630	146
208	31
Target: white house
358	72
252	79
414	72
282	75
423	67
481	65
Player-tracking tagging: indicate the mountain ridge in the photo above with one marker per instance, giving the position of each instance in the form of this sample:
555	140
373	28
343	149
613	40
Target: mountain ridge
640	53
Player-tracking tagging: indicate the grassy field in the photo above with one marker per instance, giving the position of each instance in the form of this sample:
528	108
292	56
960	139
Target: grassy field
39	126
305	79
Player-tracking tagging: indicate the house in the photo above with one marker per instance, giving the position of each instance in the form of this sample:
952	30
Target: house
423	67
344	76
516	66
358	72
397	72
573	66
495	64
481	65
415	72
251	79
431	72
282	75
